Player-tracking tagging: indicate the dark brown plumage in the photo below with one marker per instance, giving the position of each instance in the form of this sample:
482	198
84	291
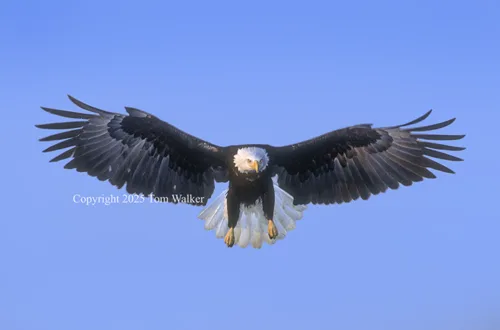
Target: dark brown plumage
360	161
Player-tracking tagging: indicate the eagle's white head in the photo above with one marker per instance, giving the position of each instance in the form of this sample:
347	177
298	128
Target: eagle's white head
251	159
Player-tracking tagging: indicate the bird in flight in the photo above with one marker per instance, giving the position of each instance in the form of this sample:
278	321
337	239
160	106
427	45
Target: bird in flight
268	187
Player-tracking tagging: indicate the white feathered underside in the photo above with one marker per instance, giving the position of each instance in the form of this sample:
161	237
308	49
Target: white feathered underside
252	224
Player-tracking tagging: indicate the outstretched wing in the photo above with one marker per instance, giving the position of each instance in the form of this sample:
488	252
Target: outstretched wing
149	155
360	161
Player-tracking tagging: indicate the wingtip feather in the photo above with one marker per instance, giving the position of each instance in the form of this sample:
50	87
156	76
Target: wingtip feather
86	106
419	119
73	99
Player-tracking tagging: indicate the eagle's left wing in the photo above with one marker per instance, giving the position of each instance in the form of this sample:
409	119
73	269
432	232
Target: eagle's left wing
359	161
140	150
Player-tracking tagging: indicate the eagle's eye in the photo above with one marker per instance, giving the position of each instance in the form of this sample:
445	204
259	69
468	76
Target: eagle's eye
249	161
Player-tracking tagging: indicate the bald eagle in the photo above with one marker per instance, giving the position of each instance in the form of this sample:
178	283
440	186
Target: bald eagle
269	187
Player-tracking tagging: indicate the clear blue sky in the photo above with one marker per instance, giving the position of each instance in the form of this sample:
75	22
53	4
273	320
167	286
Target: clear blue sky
425	257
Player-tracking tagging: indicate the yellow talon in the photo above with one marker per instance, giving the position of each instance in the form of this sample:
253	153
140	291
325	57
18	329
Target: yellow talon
272	230
229	239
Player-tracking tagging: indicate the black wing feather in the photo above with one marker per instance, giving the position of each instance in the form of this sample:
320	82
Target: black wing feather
360	161
148	155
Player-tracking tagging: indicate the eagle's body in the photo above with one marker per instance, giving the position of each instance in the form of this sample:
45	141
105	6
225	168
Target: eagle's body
268	186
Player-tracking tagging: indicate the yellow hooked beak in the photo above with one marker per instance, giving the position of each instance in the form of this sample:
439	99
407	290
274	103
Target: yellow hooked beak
255	166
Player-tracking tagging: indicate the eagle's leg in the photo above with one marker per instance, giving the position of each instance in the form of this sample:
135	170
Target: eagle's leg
268	208
233	213
272	231
229	238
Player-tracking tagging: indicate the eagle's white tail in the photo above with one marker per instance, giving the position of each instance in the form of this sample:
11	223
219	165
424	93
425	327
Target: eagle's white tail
252	224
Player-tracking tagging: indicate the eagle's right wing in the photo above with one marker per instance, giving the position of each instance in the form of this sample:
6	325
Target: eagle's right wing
140	150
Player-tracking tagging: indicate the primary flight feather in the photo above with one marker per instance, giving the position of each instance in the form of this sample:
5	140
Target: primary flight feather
268	186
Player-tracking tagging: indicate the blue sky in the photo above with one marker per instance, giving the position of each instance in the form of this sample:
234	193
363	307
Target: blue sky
424	257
